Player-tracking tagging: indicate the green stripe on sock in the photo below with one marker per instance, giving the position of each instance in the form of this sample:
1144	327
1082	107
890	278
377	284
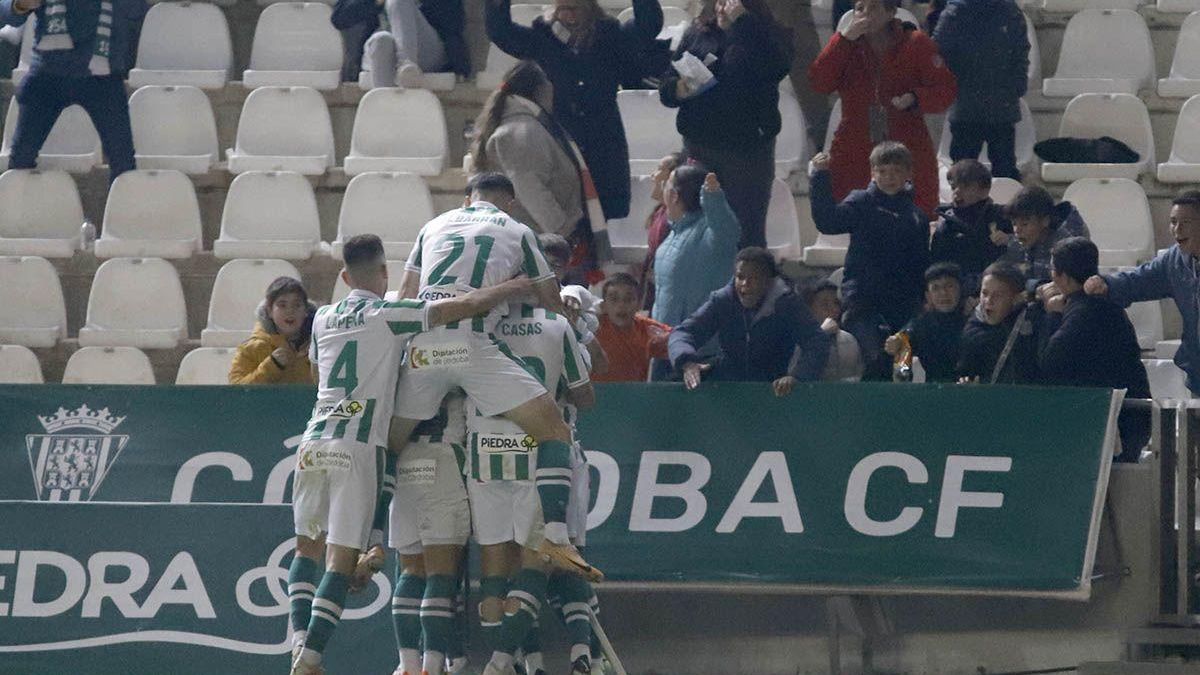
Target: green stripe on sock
303	571
332	590
407	626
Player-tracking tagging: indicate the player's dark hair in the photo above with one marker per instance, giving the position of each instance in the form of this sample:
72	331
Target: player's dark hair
619	279
760	256
1007	273
943	270
555	245
1076	257
1031	202
283	286
490	181
970	172
362	249
688	180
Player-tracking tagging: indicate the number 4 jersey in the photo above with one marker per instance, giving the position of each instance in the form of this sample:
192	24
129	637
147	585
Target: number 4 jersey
357	345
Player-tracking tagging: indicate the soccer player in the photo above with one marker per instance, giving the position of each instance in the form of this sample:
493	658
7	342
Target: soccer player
473	247
503	462
356	348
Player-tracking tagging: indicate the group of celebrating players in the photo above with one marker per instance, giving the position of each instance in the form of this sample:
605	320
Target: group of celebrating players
444	410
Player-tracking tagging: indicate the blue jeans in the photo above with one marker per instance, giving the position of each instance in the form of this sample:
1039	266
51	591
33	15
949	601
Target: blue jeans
43	97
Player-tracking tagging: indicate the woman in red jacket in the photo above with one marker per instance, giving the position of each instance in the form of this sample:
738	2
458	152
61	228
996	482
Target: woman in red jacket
889	76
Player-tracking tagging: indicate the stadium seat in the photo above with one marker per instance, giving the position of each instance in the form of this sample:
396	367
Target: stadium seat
671	15
649	129
392	205
1183	166
836	277
35	314
41	213
1166	380
1121	116
108	365
173	128
206	365
395	274
783	223
26	57
1074	6
73	144
901	13
135	302
829	250
184	43
283	129
1104	51
1165	349
1178	6
239	287
793	135
379	143
269	214
1147	318
1004	189
19	365
621	5
150	214
1184	79
1117	214
1035	56
295	45
1026	137
628	235
498	63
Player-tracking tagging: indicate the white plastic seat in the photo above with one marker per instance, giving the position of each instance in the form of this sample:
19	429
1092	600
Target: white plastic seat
1166	380
1147	319
73	144
283	129
1004	189
173	128
790	143
836	278
1117	214
26	57
649	129
628	235
109	365
901	13
1184	163
19	365
184	43
1035	56
41	213
1104	51
829	250
239	287
35	314
398	130
269	214
1184	78
671	15
135	302
783	222
1026	138
295	45
1079	5
206	365
1165	349
395	270
498	63
392	205
621	5
150	214
1120	116
1178	6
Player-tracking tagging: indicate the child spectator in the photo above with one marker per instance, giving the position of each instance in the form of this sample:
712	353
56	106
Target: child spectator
888	254
1038	224
277	351
972	230
657	225
629	339
845	358
999	343
936	334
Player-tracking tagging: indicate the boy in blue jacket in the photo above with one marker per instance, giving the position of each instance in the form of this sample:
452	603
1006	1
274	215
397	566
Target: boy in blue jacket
884	282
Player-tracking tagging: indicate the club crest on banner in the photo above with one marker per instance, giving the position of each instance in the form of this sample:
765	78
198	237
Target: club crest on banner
71	460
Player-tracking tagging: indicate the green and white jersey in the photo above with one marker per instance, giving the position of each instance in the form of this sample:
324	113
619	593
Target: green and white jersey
357	345
545	343
477	246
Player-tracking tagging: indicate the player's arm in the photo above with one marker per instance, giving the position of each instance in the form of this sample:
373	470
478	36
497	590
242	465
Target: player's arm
410	284
580	392
582	397
479	301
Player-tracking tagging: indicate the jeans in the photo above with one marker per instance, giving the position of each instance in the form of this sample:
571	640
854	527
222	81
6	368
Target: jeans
967	139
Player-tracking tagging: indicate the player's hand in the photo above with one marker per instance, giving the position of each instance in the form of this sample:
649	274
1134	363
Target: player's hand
819	162
517	286
892	345
857	28
692	373
784	385
904	101
368	564
711	184
1095	285
284	355
26	6
830	326
999	237
968	380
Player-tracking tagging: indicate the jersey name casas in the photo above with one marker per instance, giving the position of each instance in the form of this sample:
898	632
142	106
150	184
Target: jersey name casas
545	343
477	246
357	345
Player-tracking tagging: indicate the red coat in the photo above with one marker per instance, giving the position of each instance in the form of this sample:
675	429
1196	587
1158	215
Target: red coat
850	68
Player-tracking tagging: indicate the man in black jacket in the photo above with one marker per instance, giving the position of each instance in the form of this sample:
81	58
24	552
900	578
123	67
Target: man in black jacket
1090	342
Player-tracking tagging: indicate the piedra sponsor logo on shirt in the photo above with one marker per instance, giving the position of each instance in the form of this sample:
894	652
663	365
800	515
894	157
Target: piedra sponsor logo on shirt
432	293
447	355
342	410
496	442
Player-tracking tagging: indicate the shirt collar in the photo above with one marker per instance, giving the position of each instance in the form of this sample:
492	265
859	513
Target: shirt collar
361	294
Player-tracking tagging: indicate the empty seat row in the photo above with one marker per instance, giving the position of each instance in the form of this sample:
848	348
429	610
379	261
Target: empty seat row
1169	6
116	365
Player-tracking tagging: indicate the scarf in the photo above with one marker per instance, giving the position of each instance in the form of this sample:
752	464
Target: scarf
58	37
591	199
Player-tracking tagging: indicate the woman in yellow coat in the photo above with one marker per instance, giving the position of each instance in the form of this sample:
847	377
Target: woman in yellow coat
277	351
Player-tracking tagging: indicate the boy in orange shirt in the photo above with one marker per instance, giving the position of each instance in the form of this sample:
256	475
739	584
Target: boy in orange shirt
629	340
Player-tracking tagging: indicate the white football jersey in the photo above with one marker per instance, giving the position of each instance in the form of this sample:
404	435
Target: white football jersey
477	246
357	345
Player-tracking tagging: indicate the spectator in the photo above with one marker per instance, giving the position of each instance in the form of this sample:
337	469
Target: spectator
1038	224
696	258
845	358
936	335
760	323
796	17
73	62
657	226
999	342
629	339
889	76
1090	342
583	307
972	231
586	54
986	47
1172	274
405	38
277	351
731	123
888	254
